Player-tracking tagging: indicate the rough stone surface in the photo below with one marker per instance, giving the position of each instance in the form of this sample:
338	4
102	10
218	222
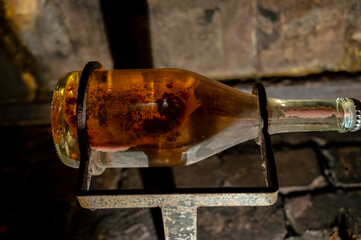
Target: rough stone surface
229	39
344	165
239	166
321	139
329	86
109	179
312	212
131	179
325	211
326	85
61	36
203	174
351	210
298	170
296	37
324	141
196	35
132	224
16	89
317	235
242	170
242	223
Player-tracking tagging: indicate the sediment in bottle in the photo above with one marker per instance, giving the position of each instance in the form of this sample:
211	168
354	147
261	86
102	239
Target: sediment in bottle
159	112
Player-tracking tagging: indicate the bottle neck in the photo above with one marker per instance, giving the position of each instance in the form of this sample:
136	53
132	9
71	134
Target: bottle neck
339	114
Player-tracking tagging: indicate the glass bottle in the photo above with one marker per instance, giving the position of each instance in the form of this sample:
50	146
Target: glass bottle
170	117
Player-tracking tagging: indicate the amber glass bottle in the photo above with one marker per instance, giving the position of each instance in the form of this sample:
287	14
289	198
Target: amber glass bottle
169	117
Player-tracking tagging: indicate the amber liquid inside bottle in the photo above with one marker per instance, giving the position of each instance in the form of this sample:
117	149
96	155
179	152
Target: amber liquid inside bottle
170	117
164	114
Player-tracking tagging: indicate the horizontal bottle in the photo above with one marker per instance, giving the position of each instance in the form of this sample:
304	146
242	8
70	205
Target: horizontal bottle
170	117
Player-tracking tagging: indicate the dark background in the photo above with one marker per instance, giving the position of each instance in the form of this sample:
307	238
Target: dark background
298	49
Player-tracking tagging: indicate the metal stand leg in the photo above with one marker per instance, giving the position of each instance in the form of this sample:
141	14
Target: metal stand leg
157	178
180	222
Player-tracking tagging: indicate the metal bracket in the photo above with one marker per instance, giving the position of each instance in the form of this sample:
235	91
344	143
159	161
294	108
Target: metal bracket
179	206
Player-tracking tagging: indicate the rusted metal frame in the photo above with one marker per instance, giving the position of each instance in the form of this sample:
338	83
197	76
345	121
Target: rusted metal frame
179	206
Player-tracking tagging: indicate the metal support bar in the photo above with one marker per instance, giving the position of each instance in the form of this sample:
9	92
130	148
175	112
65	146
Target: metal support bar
179	206
180	222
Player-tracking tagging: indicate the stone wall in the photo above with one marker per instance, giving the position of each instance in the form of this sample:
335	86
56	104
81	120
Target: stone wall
241	39
41	41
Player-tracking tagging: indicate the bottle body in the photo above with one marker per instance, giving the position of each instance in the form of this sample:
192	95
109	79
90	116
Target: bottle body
157	117
170	117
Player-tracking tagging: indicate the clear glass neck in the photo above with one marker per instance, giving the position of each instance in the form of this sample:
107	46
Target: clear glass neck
312	115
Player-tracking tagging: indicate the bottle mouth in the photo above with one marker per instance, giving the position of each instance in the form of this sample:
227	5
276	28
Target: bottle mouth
357	117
